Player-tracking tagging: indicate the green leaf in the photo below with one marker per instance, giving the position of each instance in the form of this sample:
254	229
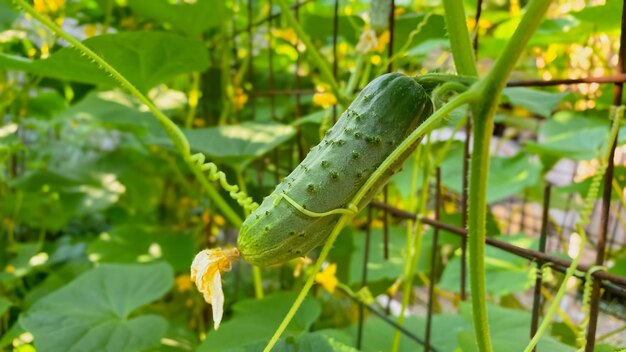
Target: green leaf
21	264
451	331
192	18
538	102
510	332
507	175
56	279
7	15
5	304
255	320
574	135
121	111
378	335
236	145
603	18
320	27
380	272
52	198
325	341
619	267
132	243
433	29
144	58
46	104
506	273
92	313
582	187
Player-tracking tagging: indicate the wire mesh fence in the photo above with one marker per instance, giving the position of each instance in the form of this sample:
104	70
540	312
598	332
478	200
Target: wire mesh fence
553	227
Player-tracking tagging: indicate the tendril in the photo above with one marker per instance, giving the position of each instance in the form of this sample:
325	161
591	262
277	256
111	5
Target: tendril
214	174
545	272
581	339
350	210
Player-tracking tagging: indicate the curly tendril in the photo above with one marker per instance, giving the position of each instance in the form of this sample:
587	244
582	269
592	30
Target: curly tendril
616	114
545	271
216	175
581	338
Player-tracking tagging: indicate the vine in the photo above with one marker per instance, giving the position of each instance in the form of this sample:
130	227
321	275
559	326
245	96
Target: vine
581	339
414	241
181	144
617	113
215	175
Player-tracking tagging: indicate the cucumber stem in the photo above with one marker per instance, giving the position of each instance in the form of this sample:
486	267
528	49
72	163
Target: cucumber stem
415	246
490	89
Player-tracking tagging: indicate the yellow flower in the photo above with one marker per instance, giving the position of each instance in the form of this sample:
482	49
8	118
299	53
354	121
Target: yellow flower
219	220
240	98
383	40
51	6
182	283
324	99
206	270
288	35
91	30
327	278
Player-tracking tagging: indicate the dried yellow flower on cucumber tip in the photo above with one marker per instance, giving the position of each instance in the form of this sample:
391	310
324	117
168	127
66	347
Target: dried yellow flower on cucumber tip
206	271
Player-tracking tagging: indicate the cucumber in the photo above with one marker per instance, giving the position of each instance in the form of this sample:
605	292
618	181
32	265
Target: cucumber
384	113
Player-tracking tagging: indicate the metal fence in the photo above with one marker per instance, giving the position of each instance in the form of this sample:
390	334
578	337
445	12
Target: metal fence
613	284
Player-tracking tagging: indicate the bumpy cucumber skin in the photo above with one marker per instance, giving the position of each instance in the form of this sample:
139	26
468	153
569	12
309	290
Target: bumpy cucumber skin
382	115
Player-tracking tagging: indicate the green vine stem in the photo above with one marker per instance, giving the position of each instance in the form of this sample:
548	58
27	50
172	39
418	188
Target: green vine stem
369	185
316	58
489	89
414	240
181	144
592	194
462	51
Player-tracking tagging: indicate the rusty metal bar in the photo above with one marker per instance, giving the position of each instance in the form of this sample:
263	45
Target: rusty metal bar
284	92
621	78
270	66
479	11
534	321
606	195
251	61
387	320
392	25
270	17
618	78
299	138
335	61
530	254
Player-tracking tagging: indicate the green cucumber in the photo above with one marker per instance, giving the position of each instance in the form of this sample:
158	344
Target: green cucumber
384	113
